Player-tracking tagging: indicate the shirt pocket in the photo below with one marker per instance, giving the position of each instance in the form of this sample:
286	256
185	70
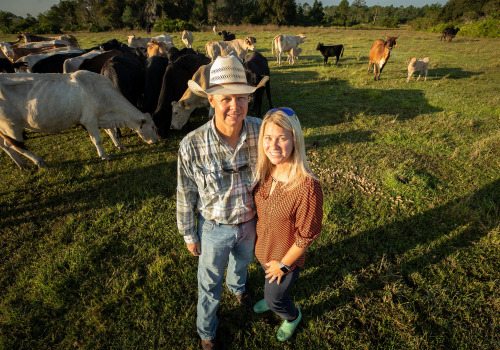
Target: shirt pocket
208	179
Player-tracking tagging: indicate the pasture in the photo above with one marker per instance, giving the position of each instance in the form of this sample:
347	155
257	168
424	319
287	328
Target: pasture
408	258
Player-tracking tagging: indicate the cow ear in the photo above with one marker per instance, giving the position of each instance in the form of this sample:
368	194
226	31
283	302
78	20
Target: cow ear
183	104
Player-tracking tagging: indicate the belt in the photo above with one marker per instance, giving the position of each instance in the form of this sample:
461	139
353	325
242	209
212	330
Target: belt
234	225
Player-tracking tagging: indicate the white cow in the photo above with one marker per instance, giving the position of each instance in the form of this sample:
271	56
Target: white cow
182	109
73	64
187	38
240	47
293	55
138	42
54	102
15	52
215	29
284	43
32	59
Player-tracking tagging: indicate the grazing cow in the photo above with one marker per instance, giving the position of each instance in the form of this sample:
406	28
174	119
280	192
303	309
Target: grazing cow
73	64
331	51
422	64
155	69
293	55
15	52
158	48
227	36
284	43
448	33
174	85
127	74
28	37
215	29
54	63
137	42
6	66
187	38
380	53
240	47
96	63
256	67
174	53
32	59
51	103
182	109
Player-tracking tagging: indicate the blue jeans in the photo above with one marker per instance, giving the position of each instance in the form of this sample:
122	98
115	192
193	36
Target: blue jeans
276	295
221	245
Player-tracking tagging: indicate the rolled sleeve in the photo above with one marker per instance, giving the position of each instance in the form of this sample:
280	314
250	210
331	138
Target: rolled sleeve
309	214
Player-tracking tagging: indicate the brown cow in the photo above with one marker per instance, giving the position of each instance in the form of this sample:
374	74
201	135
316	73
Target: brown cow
380	53
158	48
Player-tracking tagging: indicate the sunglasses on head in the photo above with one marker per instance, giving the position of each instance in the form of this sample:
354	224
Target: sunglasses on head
288	111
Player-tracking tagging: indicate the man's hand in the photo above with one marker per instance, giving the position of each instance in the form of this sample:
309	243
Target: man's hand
195	249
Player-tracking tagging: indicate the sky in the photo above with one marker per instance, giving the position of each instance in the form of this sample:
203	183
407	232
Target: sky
35	7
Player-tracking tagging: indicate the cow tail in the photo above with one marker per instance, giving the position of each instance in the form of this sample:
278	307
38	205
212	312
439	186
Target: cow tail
342	52
13	142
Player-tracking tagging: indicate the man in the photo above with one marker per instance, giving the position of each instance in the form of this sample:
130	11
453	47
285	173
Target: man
215	183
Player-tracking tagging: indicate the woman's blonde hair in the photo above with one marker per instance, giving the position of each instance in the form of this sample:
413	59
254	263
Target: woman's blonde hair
299	168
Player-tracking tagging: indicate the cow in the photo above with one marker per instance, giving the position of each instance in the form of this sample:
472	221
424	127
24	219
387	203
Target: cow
155	69
174	53
96	63
174	84
182	109
380	53
158	48
73	64
256	67
15	52
187	38
28	37
240	47
51	103
293	55
448	33
137	42
6	66
422	64
215	29
330	51
284	43
53	63
32	59
227	36
127	74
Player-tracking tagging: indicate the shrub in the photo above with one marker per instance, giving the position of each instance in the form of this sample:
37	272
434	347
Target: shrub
95	28
173	25
489	28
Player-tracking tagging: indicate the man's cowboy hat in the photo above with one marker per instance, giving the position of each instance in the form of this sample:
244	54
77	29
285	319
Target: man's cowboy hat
227	77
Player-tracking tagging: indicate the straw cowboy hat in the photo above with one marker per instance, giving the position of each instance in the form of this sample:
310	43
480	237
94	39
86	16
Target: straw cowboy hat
227	77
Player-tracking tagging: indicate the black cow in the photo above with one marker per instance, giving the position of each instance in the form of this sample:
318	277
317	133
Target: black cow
256	67
174	53
227	36
331	51
96	63
174	85
155	69
53	64
127	74
448	33
6	66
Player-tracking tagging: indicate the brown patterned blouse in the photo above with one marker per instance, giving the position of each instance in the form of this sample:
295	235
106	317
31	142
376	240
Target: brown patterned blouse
287	217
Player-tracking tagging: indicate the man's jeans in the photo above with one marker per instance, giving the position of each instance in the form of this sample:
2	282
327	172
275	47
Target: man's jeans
221	245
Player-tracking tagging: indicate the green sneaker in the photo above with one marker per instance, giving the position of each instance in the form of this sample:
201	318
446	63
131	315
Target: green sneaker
287	328
260	306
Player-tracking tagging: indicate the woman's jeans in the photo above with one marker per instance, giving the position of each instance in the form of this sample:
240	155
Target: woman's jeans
221	245
276	295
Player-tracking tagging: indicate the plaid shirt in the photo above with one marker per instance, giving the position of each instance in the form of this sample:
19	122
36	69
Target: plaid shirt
203	186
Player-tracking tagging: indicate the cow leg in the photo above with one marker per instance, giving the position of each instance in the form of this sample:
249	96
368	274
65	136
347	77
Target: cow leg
369	65
325	60
114	137
419	75
95	136
337	63
14	155
425	78
10	149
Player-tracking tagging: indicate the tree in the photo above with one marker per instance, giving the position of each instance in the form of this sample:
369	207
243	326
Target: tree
6	20
343	11
316	12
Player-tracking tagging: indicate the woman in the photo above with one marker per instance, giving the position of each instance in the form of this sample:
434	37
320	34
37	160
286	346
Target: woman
289	204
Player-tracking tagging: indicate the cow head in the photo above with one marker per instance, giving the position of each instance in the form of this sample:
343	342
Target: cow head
249	45
391	42
320	45
147	129
180	114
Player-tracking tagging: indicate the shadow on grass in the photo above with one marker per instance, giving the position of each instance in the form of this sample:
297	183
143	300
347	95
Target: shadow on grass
453	73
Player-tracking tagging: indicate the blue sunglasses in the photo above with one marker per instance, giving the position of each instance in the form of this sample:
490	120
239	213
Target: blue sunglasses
289	112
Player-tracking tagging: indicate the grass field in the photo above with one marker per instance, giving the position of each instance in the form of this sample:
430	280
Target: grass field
408	258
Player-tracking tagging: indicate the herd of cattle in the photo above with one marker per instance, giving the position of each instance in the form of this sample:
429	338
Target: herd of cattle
142	85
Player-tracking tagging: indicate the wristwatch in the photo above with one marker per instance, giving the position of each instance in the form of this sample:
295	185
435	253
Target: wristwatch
284	268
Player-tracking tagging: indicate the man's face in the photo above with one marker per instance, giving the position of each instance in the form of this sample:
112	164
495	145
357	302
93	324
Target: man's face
230	110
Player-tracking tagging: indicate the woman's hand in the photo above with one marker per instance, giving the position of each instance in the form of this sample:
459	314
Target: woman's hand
273	271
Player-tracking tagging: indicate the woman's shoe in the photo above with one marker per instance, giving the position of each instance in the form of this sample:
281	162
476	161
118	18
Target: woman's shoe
287	328
260	306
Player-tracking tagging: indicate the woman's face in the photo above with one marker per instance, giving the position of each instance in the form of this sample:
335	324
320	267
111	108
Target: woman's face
230	110
278	144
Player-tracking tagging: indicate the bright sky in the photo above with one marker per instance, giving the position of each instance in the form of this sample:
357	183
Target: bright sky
35	7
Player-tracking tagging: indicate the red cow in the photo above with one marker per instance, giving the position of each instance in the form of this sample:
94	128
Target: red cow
380	53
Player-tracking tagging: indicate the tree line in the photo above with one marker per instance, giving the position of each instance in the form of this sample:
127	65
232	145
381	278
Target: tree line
174	15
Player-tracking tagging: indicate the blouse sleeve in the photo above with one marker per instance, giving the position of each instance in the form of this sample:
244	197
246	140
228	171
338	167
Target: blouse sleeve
309	215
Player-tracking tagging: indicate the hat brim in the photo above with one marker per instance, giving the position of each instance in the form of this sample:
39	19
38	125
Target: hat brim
226	89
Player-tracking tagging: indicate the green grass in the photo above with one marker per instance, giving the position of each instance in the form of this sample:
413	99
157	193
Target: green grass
409	256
